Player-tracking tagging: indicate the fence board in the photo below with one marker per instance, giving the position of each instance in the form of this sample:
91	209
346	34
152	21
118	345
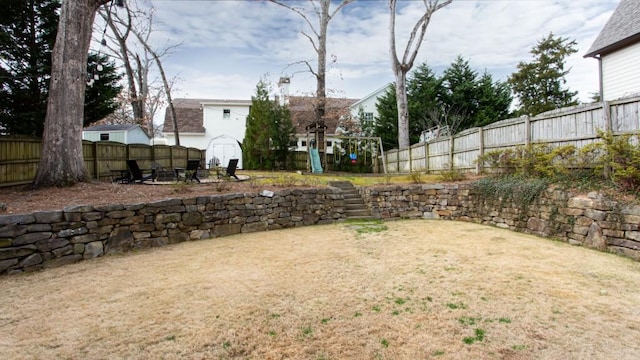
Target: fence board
576	125
19	158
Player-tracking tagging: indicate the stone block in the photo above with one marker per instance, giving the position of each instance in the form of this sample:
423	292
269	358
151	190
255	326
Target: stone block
595	238
69	259
199	235
83	239
51	243
48	217
119	241
30	238
67	250
78	209
254	227
93	250
16	219
5	264
13	230
191	219
225	229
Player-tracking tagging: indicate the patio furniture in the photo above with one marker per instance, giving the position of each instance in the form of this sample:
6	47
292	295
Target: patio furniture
191	173
137	174
231	168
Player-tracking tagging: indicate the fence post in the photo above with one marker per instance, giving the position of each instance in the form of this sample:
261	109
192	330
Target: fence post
450	152
608	122
410	159
96	167
527	131
426	157
480	164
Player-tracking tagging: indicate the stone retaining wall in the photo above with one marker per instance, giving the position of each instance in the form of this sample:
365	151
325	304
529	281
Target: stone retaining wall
48	239
589	220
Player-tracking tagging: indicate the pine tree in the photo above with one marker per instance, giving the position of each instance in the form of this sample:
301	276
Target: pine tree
386	124
494	100
27	34
539	84
269	132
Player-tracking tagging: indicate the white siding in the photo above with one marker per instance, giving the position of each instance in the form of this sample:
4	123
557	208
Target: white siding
621	73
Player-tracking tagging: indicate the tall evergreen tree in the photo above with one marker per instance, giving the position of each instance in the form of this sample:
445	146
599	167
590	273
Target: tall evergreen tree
539	85
460	91
101	97
28	30
424	91
494	100
458	96
386	124
269	132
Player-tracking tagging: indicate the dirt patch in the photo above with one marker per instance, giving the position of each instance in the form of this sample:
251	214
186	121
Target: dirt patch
406	290
24	199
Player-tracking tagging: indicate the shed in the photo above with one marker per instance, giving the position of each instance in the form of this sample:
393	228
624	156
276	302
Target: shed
125	133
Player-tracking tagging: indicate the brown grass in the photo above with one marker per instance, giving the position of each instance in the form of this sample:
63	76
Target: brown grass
413	291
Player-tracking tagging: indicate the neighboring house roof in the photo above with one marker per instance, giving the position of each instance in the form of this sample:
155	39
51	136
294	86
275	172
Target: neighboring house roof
112	127
622	29
302	112
188	115
371	94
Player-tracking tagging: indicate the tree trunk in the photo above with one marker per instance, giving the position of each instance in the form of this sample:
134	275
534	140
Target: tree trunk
403	108
321	87
61	157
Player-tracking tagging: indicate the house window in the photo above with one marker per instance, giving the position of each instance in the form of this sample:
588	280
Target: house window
328	143
368	117
294	143
104	137
226	113
304	143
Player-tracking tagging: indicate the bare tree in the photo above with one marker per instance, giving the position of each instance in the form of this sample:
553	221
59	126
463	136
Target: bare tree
323	14
61	159
401	67
130	42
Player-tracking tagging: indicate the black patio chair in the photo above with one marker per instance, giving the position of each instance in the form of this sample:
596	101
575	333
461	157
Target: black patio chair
191	172
136	173
231	168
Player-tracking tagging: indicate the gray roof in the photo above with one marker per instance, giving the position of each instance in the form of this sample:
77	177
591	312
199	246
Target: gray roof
112	127
622	29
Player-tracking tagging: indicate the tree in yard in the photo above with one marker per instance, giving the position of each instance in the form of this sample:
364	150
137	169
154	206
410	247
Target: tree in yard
459	95
323	14
101	97
494	100
539	84
61	159
386	123
26	41
269	132
402	66
424	92
129	41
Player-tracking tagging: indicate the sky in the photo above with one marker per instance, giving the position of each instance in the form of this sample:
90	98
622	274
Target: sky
227	46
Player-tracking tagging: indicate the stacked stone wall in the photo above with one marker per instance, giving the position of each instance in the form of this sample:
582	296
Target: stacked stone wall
590	220
40	240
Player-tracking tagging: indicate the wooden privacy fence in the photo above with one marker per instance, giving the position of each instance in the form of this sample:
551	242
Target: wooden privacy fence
19	158
577	125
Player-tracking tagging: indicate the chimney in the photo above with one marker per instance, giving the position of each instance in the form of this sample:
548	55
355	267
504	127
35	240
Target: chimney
283	87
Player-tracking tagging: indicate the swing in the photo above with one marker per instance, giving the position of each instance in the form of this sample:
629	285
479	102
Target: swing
352	155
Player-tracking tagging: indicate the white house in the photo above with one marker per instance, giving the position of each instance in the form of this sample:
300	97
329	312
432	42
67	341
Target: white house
617	49
368	104
126	133
212	124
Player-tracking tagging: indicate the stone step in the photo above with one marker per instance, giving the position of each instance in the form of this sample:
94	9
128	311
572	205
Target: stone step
351	213
354	205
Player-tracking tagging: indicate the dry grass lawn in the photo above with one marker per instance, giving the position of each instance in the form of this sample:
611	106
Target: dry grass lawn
415	290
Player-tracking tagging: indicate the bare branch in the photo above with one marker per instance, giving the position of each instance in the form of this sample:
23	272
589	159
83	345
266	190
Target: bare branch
299	12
